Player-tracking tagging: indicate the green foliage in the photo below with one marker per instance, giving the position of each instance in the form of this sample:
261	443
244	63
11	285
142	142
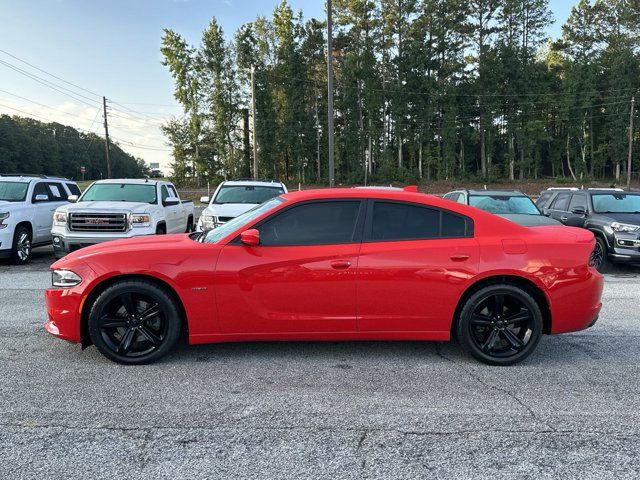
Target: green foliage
433	89
30	146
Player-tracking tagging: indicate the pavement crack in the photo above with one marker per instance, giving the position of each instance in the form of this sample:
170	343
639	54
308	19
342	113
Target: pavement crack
481	381
360	452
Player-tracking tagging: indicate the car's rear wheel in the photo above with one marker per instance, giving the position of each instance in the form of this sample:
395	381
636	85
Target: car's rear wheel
599	257
134	322
21	248
500	325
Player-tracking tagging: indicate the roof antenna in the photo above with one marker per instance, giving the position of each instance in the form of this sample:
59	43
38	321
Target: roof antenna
485	187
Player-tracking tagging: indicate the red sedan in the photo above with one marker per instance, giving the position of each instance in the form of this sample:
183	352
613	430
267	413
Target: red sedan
340	264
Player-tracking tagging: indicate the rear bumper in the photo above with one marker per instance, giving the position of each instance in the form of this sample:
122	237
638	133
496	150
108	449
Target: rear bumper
576	303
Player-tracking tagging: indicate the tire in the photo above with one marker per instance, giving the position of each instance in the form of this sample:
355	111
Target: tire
599	258
134	322
500	332
21	246
161	230
189	225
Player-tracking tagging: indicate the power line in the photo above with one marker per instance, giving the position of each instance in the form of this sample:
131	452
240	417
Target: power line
46	106
146	147
50	74
49	84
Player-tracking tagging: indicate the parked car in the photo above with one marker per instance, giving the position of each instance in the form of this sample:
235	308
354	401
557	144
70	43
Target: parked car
235	197
332	264
115	209
510	204
612	214
27	203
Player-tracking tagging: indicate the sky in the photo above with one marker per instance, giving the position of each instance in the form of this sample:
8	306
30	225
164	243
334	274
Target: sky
112	49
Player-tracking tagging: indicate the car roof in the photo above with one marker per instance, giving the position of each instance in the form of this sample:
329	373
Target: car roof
136	181
496	191
253	183
26	177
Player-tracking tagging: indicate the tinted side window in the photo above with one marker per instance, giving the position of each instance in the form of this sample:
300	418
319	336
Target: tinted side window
401	221
172	192
58	193
561	202
543	199
452	196
578	200
73	188
41	189
321	223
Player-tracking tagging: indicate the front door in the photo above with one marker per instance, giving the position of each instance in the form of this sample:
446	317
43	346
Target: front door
414	264
302	276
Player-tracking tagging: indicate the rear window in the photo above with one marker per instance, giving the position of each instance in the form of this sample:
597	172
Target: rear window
504	204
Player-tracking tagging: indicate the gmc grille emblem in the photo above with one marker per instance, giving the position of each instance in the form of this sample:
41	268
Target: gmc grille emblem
96	221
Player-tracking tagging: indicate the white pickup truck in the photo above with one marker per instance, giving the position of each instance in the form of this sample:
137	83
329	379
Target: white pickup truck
114	209
27	203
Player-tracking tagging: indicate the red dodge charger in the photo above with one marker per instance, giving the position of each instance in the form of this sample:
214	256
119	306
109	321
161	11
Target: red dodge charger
338	264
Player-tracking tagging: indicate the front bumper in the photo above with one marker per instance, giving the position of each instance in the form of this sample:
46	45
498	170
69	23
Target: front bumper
64	308
625	248
6	241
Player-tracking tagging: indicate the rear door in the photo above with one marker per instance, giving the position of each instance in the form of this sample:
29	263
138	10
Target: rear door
414	263
559	208
300	278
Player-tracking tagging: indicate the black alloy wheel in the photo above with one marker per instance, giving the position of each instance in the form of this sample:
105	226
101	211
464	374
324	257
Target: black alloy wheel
134	322
598	258
500	325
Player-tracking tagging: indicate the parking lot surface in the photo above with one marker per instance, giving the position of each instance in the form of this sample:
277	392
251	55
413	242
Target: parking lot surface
318	410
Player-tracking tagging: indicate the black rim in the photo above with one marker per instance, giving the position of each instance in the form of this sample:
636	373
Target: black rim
596	256
23	246
133	325
501	325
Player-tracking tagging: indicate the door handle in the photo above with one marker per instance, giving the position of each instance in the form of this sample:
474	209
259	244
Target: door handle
459	257
563	219
341	264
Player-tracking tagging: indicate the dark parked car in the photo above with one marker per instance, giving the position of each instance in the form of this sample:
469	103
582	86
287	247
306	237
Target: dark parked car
510	204
612	214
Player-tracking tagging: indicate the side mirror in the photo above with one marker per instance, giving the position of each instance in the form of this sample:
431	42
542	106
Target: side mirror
204	199
250	237
42	198
72	198
579	210
171	201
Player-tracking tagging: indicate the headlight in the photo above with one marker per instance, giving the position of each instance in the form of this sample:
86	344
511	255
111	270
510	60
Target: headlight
140	220
624	227
60	219
3	217
208	222
65	278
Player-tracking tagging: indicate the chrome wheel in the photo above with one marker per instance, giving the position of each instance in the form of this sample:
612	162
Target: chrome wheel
23	246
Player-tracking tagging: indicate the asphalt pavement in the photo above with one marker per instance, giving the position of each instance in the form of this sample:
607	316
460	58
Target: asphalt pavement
318	410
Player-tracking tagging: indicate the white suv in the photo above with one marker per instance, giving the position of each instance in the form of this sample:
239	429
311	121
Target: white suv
27	203
235	197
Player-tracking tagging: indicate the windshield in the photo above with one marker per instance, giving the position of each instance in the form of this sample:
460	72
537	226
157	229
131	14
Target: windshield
502	204
218	233
250	194
120	192
616	202
13	191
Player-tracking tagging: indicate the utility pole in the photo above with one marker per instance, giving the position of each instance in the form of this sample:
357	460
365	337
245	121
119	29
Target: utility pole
330	92
253	122
106	136
630	159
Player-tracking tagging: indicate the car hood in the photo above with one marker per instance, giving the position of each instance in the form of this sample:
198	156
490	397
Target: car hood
106	207
228	209
632	218
529	220
128	245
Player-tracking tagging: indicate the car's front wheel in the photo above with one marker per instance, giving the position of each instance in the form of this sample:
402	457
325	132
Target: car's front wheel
134	322
500	325
599	258
21	248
